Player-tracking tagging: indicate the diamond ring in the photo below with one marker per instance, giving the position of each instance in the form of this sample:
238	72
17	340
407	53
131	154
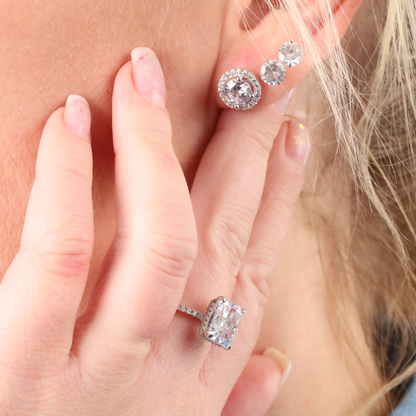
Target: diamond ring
220	322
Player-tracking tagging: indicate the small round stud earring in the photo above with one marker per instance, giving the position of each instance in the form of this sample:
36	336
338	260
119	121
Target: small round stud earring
239	89
273	72
290	54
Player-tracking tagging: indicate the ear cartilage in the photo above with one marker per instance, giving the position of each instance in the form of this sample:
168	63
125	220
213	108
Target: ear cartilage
239	89
273	72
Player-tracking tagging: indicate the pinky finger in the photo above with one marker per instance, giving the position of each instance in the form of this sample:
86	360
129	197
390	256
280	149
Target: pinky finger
258	385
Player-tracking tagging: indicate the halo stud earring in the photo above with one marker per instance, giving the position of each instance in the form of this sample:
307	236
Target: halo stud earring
290	54
273	72
239	89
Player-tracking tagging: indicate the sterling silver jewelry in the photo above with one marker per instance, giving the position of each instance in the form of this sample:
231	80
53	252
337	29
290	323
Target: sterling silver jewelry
220	323
291	54
239	89
273	72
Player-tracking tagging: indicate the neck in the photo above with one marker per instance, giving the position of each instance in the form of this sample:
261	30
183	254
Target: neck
77	47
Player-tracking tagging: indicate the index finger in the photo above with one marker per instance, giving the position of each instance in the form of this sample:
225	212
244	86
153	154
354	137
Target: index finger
155	242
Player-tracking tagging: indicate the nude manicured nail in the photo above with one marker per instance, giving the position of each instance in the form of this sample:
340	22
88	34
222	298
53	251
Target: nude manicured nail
77	116
148	76
297	140
282	361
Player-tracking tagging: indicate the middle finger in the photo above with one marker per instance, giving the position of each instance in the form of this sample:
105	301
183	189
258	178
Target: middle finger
226	195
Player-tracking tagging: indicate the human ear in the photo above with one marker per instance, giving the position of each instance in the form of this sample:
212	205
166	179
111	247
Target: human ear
316	25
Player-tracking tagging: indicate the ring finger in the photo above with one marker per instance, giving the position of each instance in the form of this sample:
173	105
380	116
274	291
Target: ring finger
226	195
260	263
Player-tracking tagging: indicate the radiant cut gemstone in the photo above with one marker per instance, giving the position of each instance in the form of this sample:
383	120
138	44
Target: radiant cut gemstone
238	92
273	72
290	54
223	321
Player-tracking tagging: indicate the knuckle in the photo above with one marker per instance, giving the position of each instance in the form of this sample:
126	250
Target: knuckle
259	274
60	253
157	135
76	169
156	128
171	255
283	197
229	236
262	135
165	156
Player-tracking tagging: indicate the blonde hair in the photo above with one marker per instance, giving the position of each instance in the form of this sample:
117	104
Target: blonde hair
368	83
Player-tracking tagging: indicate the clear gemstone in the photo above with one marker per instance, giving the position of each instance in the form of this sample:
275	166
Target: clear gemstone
239	89
290	54
238	92
223	323
273	72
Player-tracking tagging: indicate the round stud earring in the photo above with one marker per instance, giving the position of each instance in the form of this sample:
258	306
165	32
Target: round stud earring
273	72
239	89
290	54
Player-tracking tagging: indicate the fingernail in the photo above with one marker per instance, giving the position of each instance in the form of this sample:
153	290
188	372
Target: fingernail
148	76
297	140
283	103
282	361
77	116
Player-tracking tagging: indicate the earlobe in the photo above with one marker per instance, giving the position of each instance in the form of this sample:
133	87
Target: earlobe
315	26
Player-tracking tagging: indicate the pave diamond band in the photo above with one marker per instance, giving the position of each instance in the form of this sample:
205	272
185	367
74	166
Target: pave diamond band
191	312
220	323
239	89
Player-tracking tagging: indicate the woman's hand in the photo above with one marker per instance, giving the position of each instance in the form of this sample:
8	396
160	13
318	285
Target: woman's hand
130	353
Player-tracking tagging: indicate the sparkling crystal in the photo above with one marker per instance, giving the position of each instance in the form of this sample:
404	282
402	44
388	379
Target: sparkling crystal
239	89
290	54
238	92
223	323
273	72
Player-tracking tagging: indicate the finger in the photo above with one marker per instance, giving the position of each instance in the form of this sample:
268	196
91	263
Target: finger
258	385
259	265
283	185
42	290
285	175
226	194
155	244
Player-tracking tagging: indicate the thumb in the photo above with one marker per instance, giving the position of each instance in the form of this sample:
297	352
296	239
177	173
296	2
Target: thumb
258	385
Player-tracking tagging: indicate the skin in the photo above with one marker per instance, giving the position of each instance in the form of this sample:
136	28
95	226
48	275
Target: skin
51	60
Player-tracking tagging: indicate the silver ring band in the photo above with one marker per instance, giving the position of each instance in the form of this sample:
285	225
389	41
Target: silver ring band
191	312
219	325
